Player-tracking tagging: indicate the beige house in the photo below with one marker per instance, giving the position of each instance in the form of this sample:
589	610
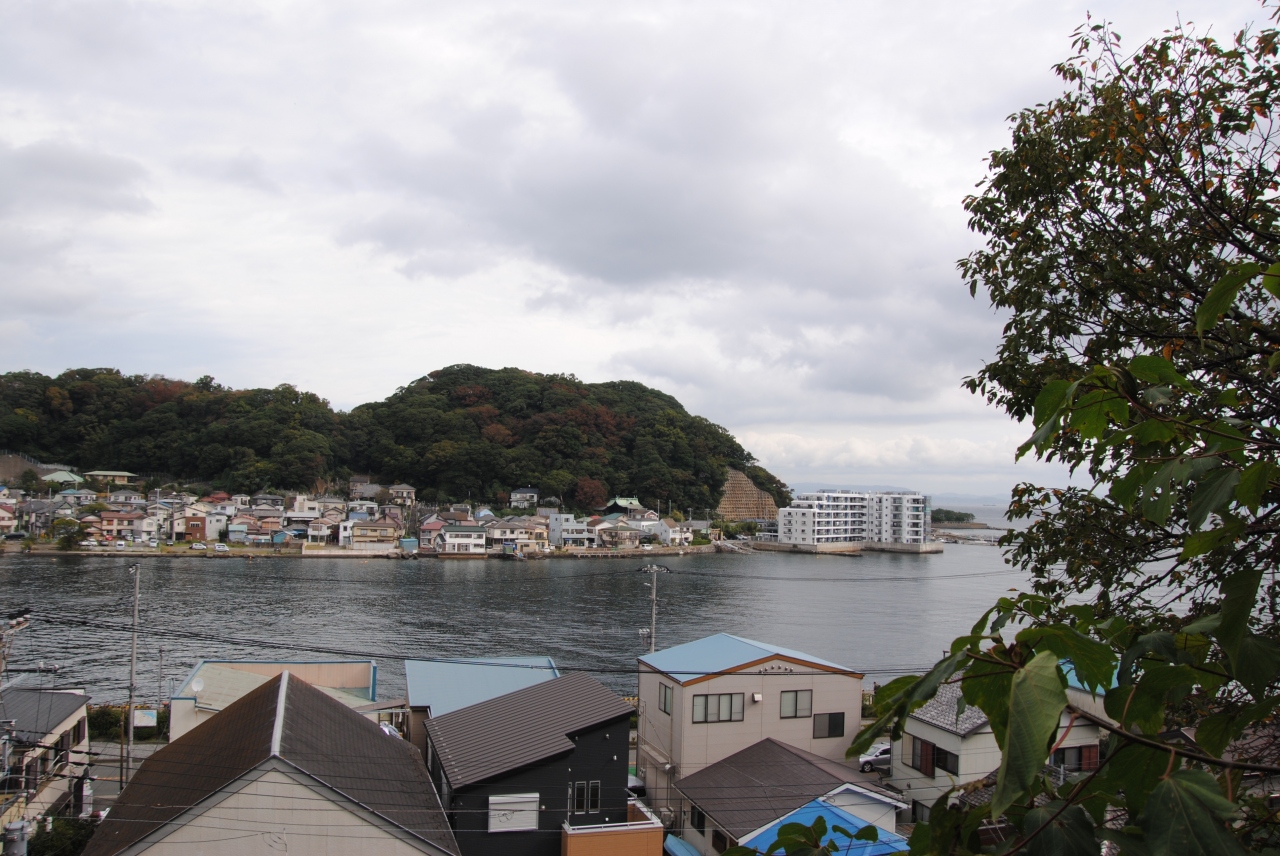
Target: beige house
380	531
703	701
286	769
49	755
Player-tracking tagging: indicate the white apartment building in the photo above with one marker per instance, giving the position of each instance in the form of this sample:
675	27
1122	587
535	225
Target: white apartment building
564	531
839	516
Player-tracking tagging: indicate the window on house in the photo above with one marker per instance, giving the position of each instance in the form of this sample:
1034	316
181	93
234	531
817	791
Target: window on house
513	812
719	841
1076	758
664	698
698	820
828	725
947	761
593	796
578	791
724	707
920	754
797	704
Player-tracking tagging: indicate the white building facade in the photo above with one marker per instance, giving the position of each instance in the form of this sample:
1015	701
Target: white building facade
845	516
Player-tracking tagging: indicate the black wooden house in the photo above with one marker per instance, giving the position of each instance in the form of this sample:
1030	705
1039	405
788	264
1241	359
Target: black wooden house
512	769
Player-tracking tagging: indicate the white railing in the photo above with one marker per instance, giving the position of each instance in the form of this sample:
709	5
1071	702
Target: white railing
652	822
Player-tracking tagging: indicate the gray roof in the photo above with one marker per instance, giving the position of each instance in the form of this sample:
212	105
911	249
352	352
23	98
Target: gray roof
35	713
521	728
940	712
402	487
449	685
321	737
753	788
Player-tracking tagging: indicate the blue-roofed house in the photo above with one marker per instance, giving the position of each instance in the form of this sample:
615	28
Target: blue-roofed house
437	687
705	700
740	798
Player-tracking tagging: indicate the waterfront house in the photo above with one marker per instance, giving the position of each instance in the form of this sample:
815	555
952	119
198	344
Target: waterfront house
121	524
112	476
372	534
730	801
705	700
223	682
942	747
564	531
403	494
438	687
674	534
525	497
428	534
320	531
48	756
458	539
8	520
288	769
619	536
515	770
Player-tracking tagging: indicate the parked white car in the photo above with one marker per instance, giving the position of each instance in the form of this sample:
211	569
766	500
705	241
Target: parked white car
199	545
878	757
88	542
153	543
221	548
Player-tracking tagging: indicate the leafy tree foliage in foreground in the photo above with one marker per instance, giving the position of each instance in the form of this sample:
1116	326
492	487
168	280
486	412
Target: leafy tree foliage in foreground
1131	233
459	432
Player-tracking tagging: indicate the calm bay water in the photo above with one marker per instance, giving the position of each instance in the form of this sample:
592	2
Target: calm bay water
881	613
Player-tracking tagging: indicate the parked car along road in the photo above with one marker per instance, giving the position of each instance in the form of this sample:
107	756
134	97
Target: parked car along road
221	548
198	546
878	757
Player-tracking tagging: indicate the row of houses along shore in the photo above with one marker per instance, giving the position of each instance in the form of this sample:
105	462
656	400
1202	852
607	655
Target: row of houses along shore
380	518
726	740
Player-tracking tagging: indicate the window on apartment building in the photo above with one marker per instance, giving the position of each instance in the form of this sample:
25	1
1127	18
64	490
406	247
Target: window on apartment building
698	820
513	812
593	796
664	698
724	707
828	725
578	790
797	704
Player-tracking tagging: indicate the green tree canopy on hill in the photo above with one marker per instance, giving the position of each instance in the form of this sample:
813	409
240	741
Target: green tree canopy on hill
458	432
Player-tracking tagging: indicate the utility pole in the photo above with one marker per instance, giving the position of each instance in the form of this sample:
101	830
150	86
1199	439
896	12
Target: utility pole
653	571
133	675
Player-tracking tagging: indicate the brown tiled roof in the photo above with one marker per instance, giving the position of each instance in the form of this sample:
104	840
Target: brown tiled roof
767	780
319	736
508	732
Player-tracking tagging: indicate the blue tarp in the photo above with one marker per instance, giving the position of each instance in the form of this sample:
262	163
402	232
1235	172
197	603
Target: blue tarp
808	813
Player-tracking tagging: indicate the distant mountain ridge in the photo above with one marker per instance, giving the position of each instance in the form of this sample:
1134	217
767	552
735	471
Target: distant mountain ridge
456	433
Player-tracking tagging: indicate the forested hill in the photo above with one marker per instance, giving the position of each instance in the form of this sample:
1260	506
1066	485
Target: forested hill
458	432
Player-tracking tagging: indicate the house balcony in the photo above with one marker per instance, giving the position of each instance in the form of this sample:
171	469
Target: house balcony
641	835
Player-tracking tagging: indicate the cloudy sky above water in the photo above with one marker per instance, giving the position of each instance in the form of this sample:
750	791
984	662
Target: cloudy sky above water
752	206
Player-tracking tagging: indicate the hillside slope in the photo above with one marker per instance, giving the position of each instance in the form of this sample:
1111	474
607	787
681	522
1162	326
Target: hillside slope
457	432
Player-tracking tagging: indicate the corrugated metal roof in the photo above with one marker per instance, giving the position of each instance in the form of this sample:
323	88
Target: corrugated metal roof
722	653
337	747
449	685
888	842
765	781
35	713
520	728
941	712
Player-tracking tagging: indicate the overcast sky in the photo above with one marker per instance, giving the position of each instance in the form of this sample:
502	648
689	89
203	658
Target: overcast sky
755	207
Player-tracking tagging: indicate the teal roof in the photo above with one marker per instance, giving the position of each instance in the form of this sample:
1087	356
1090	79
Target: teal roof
809	812
722	653
449	685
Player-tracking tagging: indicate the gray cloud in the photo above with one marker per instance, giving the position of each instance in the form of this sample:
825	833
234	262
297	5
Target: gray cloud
754	207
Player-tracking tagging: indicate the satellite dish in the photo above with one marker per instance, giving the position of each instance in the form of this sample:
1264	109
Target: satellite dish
197	685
